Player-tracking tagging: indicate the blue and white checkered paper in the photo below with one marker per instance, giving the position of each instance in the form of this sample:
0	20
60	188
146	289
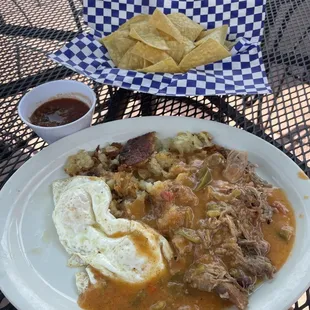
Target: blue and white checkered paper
243	73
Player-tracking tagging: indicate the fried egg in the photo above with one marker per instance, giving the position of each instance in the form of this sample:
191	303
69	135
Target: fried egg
118	248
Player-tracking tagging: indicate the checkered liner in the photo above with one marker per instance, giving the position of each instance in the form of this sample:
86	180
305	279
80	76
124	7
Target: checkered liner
243	73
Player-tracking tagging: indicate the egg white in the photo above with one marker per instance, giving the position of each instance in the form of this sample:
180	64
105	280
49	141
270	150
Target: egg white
86	227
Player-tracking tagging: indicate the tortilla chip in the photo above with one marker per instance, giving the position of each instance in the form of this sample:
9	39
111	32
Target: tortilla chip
207	52
147	34
229	45
136	19
188	45
117	44
165	36
218	34
146	63
178	50
131	61
163	23
167	65
186	26
149	53
203	34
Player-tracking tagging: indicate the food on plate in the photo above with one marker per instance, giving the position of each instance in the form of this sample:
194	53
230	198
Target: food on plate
178	223
58	112
121	249
145	42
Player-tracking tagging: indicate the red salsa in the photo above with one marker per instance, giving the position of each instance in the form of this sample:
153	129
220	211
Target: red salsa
58	112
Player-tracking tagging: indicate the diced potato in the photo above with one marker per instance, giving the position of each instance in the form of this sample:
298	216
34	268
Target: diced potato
78	163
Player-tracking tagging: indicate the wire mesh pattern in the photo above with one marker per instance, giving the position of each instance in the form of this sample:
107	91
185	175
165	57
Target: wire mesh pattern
31	28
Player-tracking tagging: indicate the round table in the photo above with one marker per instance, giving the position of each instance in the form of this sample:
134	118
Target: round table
30	29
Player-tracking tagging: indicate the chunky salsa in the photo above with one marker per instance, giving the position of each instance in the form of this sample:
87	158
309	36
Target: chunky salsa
58	112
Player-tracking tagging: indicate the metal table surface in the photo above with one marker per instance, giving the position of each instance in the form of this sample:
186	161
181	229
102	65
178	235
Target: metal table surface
31	28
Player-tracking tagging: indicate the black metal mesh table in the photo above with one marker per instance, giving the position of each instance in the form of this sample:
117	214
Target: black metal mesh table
31	28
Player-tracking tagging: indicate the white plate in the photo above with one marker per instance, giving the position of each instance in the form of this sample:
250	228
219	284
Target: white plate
33	272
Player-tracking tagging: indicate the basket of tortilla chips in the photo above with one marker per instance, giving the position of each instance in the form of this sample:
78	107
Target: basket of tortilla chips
173	48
